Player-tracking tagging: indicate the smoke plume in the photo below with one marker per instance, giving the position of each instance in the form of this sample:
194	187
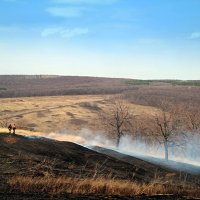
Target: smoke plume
132	146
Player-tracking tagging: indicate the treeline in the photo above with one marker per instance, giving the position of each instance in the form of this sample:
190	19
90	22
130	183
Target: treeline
154	96
139	91
40	85
185	83
163	82
174	127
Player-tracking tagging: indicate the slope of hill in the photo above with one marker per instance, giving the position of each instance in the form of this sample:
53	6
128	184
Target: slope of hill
16	86
155	165
30	155
41	161
44	85
35	156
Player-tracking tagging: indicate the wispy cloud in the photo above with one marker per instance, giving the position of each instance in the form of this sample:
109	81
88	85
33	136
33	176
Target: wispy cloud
50	31
195	35
15	1
66	12
64	32
75	8
91	2
10	0
10	29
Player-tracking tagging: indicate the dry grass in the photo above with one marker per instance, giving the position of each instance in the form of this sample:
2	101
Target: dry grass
22	132
50	114
96	186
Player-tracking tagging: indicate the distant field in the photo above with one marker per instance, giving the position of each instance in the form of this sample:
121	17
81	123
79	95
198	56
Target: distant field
53	103
23	86
48	114
44	85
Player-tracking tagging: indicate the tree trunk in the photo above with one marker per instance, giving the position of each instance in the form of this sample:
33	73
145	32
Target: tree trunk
118	141
166	151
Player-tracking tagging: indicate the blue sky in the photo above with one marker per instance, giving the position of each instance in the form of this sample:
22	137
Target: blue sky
146	39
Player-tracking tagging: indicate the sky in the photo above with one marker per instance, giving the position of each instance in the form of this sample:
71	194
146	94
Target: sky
140	39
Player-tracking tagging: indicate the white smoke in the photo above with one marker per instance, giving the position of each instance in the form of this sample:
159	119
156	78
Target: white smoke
84	137
189	154
131	146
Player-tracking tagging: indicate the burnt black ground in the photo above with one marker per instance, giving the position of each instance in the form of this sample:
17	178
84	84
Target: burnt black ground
32	156
182	171
21	155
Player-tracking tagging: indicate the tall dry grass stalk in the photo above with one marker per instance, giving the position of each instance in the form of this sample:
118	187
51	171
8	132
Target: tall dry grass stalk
62	185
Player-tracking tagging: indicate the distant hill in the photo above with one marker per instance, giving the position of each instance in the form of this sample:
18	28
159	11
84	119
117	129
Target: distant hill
51	85
40	85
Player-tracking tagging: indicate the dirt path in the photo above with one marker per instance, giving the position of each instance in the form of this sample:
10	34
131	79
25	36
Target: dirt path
33	111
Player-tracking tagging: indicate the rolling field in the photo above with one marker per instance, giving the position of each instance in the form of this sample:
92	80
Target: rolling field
38	165
50	114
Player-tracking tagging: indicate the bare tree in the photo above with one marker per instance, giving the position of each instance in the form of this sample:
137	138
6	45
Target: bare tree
117	119
191	120
192	117
167	126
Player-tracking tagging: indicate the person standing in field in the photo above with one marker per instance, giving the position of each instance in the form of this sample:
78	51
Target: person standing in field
10	128
14	128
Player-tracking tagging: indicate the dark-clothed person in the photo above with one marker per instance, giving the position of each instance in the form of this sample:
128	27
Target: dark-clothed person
10	128
14	128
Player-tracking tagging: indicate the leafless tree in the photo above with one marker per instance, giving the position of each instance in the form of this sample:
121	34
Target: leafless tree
192	117
167	126
191	113
117	119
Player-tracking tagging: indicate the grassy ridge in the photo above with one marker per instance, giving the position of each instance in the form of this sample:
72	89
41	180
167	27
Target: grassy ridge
25	86
137	82
184	83
171	82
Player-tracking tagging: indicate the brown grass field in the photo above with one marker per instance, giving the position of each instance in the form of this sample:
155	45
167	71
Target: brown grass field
50	114
36	116
97	186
